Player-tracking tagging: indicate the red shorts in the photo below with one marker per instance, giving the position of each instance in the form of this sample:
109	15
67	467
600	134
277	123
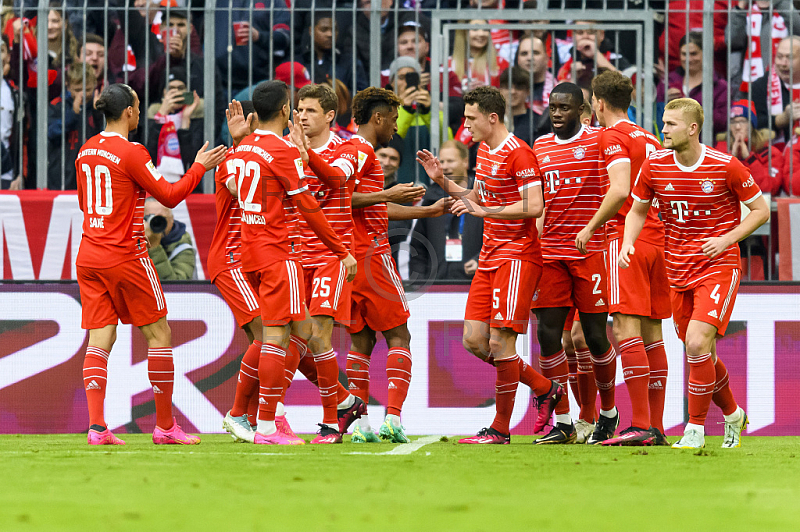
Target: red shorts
328	292
710	301
570	319
502	297
281	292
579	283
239	295
129	292
378	300
641	289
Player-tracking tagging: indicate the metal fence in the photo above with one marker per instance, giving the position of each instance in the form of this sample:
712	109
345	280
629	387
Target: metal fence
221	49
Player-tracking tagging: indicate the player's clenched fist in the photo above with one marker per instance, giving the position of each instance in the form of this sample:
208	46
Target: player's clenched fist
350	265
625	253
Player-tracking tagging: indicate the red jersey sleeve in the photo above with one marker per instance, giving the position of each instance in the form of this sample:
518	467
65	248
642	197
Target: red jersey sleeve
287	169
614	148
522	166
741	183
343	164
226	170
643	188
142	170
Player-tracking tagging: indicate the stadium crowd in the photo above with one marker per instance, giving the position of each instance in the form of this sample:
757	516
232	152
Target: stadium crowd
158	48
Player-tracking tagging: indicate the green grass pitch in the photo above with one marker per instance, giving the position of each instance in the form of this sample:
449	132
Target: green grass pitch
57	482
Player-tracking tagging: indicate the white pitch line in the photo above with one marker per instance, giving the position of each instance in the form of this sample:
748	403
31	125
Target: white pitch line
416	445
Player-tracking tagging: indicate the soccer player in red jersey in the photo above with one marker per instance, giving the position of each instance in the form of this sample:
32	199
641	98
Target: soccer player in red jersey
271	188
638	295
575	180
507	193
378	299
116	278
330	164
699	191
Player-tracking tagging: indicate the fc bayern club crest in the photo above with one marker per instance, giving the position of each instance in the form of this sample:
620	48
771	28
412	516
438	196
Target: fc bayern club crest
495	168
707	186
579	153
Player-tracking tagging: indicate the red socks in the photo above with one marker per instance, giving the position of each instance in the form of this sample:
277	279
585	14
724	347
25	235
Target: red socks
328	378
538	383
636	370
95	372
701	385
398	372
358	375
270	378
505	393
309	369
605	373
657	388
248	379
161	372
556	369
586	386
723	396
298	347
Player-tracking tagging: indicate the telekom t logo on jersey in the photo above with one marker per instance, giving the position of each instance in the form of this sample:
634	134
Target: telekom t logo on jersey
680	208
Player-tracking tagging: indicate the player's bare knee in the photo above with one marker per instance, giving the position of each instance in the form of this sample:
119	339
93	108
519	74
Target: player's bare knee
398	337
158	334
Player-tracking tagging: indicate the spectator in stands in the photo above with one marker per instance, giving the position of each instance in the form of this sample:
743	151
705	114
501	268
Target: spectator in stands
446	247
752	51
751	146
80	122
474	58
678	12
318	56
93	53
175	127
593	53
390	157
172	250
365	48
8	132
532	56
689	83
502	39
232	21
776	108
413	40
791	166
414	116
525	123
62	46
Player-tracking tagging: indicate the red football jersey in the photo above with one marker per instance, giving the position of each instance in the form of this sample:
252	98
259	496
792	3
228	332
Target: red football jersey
335	202
625	142
696	203
114	176
371	223
575	181
225	250
501	177
268	171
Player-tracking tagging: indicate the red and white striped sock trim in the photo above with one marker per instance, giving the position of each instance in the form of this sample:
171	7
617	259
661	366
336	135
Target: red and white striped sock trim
273	349
630	342
402	351
509	387
659	343
584	357
605	359
552	361
97	351
698	359
248	371
361	359
159	352
327	355
302	345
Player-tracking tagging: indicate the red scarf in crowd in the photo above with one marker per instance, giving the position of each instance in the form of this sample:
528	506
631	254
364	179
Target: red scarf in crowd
753	67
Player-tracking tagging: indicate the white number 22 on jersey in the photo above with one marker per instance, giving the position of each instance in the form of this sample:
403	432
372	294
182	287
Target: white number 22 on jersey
241	170
97	182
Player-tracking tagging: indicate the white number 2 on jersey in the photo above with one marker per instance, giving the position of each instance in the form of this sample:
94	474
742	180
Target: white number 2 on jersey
242	170
97	182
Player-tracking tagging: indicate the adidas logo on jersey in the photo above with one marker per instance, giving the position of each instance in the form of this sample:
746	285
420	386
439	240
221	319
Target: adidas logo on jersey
546	159
713	314
262	401
669	188
600	303
93	385
392	386
325	304
352	386
499	316
656	386
156	389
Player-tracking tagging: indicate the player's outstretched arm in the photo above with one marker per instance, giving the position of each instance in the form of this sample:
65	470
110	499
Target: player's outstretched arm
333	176
433	167
401	193
405	212
619	176
530	206
758	216
634	222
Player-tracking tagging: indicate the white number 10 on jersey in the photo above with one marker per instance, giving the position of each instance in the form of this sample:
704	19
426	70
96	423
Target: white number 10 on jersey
102	181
